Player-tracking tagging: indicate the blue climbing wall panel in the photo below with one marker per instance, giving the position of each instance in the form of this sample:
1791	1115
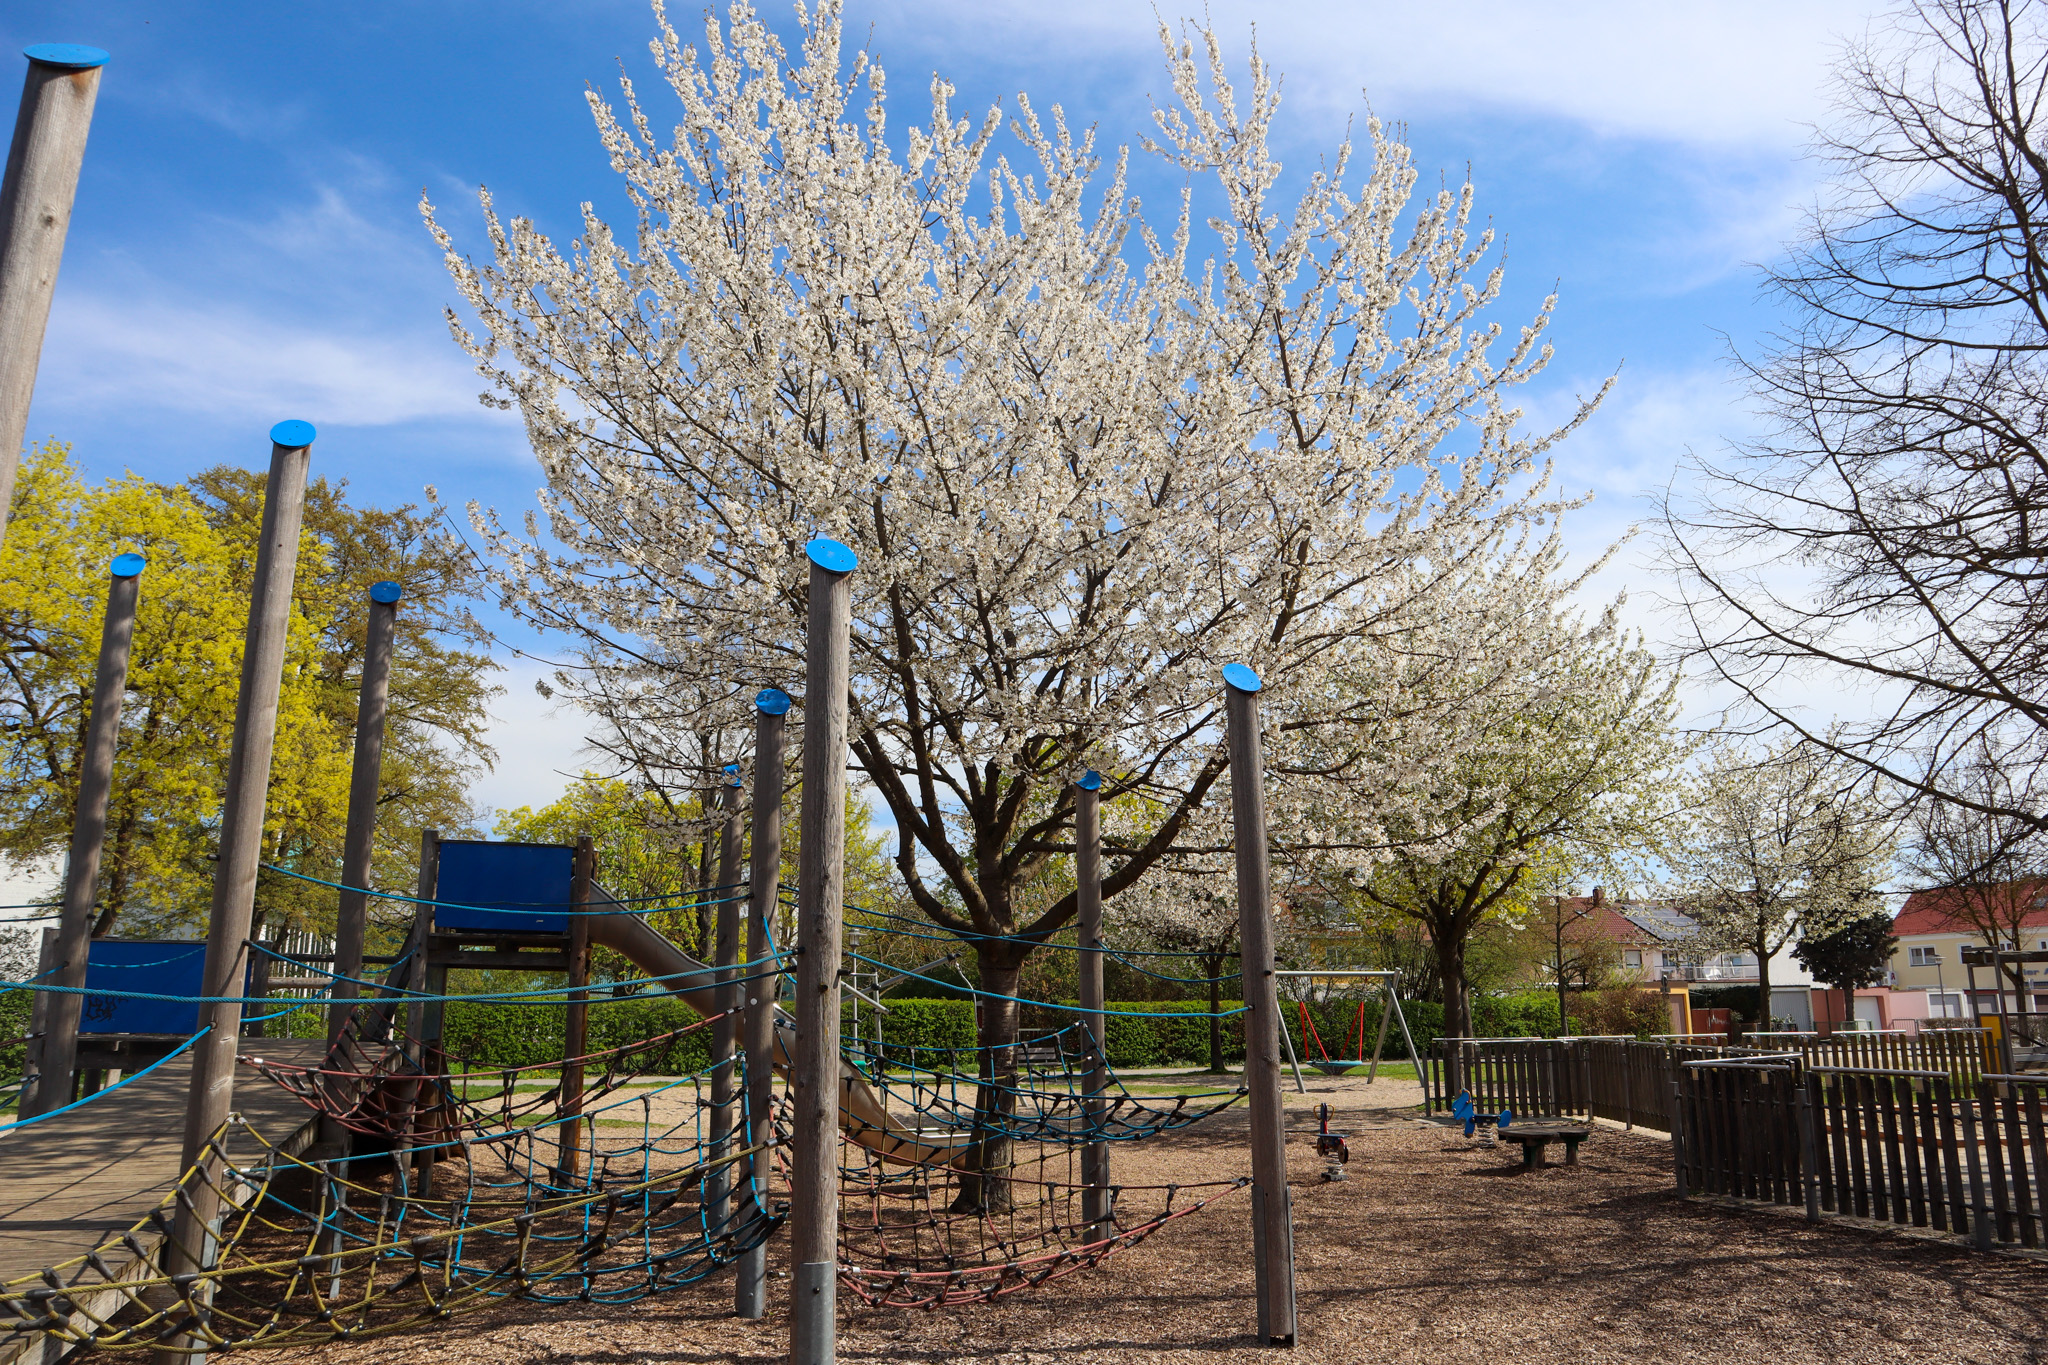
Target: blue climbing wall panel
509	888
159	968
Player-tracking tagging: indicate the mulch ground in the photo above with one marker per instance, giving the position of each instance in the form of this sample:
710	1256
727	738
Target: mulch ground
1434	1250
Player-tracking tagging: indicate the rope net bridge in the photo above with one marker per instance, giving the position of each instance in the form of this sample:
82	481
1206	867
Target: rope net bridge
470	1184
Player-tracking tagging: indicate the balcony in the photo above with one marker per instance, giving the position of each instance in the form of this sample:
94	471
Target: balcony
1728	973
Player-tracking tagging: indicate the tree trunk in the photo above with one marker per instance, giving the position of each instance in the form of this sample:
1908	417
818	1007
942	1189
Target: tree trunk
1213	967
985	1185
1450	970
1763	985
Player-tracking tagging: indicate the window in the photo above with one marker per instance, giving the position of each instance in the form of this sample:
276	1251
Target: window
1949	1006
1923	957
1632	957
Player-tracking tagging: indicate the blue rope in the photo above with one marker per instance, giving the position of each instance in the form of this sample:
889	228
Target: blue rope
1021	1000
125	1080
398	992
687	899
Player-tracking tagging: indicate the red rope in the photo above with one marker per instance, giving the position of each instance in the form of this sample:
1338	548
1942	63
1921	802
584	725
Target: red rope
1308	1030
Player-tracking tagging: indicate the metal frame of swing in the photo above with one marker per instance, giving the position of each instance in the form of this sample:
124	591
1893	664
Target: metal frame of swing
1388	980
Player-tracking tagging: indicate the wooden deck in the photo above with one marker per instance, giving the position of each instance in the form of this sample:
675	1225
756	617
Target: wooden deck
76	1182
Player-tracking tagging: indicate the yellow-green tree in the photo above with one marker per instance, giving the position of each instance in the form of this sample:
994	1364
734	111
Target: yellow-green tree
659	849
184	670
440	679
182	678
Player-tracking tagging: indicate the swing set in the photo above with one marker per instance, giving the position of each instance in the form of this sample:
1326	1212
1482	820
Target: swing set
1390	1005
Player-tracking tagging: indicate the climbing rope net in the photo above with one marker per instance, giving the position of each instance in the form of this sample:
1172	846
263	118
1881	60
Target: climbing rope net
470	1184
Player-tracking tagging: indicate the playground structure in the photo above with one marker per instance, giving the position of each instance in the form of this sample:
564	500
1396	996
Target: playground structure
1390	1008
371	1178
420	1184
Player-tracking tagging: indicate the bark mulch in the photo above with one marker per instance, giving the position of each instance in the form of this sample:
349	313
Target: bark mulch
1435	1250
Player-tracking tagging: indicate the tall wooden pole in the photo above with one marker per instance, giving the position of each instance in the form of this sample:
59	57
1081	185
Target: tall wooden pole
88	837
764	878
241	836
724	1030
820	885
1272	1216
366	779
35	214
1095	1210
577	1033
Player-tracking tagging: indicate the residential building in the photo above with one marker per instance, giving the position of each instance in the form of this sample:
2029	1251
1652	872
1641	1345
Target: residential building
1933	928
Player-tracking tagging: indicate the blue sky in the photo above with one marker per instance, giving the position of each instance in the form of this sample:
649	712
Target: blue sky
246	245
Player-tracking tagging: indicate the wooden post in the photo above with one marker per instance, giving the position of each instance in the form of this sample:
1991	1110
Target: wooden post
1095	1210
1809	1145
1272	1215
88	837
241	839
764	877
38	1019
364	787
821	832
576	1036
36	196
724	1089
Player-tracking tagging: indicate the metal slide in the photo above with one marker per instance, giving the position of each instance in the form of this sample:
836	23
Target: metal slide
863	1116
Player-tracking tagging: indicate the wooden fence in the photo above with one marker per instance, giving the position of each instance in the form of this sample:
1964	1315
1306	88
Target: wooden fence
1630	1081
1912	1148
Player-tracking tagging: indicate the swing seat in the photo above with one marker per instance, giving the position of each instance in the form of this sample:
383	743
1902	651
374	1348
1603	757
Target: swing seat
1330	1068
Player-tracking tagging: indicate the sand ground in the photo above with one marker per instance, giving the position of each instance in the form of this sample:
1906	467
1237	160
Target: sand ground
1434	1250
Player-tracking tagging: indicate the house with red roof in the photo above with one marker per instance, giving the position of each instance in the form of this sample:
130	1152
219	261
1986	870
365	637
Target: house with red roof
1935	925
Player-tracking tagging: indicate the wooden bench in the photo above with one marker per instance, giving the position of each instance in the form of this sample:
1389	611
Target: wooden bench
1537	1137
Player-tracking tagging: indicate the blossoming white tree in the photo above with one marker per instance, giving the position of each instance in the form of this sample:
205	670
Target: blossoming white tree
1781	844
1084	463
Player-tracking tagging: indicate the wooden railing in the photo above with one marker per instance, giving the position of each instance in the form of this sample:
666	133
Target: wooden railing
1912	1148
1630	1081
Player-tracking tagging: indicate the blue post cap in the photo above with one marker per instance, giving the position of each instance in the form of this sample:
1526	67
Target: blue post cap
772	701
292	434
127	565
831	556
71	56
1089	781
1241	677
732	772
386	592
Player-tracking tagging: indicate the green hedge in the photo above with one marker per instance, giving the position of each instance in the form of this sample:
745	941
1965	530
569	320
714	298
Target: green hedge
935	1033
1336	1023
488	1034
921	1032
14	1011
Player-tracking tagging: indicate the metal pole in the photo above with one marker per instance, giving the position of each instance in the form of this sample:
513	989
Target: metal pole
576	1034
821	872
38	1018
365	786
88	838
241	837
724	1091
1287	1041
1095	1210
1272	1217
764	876
35	213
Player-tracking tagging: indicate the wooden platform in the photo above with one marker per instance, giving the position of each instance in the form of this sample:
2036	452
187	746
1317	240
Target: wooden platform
75	1182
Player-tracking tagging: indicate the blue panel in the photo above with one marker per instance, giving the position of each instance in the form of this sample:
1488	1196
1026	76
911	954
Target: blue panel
292	434
119	964
523	887
75	56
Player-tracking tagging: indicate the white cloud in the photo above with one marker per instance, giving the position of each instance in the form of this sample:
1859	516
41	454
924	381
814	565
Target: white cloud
157	349
540	743
1736	72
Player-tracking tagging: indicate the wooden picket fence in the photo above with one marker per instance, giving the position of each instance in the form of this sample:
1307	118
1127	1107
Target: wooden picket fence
1910	1148
1630	1081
